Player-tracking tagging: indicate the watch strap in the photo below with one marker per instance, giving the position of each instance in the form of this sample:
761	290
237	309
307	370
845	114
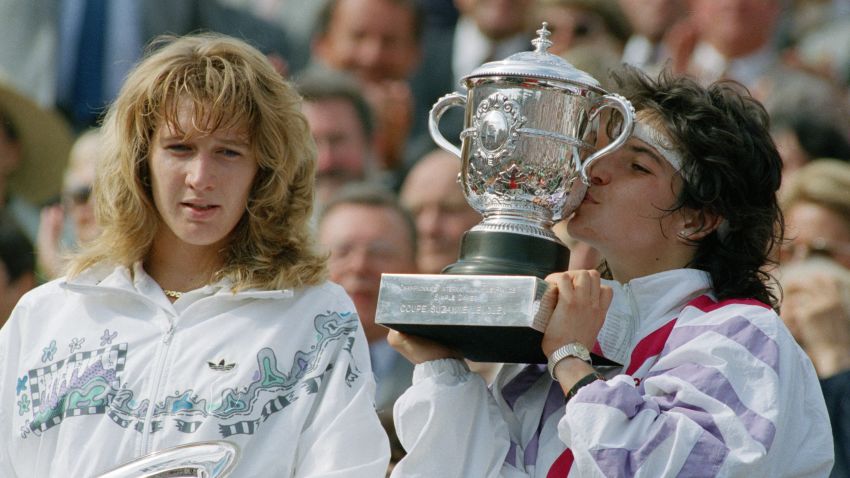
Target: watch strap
586	380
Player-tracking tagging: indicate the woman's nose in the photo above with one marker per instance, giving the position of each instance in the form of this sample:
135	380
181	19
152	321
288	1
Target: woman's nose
599	174
201	174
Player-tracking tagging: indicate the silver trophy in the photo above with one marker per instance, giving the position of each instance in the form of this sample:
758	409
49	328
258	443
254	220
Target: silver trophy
209	459
529	139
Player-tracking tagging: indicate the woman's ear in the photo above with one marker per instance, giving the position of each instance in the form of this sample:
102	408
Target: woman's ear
697	224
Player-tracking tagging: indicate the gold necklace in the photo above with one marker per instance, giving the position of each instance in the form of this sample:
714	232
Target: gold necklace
173	293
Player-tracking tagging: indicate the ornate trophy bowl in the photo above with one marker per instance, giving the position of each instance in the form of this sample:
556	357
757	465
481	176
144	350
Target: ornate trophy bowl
529	137
527	143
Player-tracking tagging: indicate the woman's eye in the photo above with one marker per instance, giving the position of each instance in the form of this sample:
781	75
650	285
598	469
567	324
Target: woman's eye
638	167
177	147
231	153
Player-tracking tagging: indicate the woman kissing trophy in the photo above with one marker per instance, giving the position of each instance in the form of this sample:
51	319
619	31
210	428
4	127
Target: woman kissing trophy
530	135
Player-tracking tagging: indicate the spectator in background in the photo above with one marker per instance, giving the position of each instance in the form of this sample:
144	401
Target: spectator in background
433	79
71	222
341	123
816	309
34	146
825	50
490	30
296	17
733	39
74	54
651	21
589	34
434	196
377	42
816	204
815	280
578	23
368	233
809	118
29	34
17	266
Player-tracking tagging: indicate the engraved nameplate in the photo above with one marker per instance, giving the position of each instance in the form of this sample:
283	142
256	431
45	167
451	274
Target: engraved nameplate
493	318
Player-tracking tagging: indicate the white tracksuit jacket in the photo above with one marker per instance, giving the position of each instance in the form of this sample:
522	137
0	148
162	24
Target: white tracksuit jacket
103	369
706	389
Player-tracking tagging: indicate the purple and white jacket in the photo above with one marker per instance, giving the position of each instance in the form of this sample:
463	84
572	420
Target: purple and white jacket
707	388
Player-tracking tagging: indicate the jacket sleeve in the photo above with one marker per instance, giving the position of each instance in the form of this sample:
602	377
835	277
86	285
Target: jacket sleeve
721	400
10	343
5	406
344	437
450	425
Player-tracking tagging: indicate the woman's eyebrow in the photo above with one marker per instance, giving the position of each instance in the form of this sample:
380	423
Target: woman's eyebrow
641	149
236	141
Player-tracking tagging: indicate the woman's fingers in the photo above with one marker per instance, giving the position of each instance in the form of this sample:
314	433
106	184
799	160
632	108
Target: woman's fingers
419	349
582	302
580	288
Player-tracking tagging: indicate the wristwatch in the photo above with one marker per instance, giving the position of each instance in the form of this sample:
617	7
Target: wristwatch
573	349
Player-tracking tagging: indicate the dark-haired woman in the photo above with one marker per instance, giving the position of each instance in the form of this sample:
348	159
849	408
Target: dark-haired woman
711	383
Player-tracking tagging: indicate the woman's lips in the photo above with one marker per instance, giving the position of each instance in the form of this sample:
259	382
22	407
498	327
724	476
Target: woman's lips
199	211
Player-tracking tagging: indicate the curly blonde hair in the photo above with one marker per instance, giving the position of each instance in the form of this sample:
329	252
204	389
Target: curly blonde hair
228	82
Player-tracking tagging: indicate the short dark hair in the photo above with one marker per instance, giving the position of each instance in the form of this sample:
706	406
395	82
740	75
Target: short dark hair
323	21
731	168
326	85
16	250
820	138
373	195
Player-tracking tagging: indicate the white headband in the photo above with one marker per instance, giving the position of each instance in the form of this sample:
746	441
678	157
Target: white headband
655	138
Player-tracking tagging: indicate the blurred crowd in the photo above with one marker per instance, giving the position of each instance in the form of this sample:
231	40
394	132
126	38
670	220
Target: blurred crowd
387	197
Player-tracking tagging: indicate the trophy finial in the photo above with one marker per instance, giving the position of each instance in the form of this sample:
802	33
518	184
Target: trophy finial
542	42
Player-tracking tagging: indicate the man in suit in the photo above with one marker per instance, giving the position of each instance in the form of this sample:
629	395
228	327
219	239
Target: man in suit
368	233
378	42
341	123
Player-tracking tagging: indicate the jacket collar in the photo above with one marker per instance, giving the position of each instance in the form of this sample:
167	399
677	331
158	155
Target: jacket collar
643	305
105	279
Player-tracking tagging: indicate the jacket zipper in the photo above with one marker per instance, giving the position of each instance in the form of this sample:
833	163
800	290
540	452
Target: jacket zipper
158	372
634	318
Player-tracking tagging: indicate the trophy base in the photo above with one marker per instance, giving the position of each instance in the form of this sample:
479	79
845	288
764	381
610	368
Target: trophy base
484	344
488	318
508	253
487	305
491	305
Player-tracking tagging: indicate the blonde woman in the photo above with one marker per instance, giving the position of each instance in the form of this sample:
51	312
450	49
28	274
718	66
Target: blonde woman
202	311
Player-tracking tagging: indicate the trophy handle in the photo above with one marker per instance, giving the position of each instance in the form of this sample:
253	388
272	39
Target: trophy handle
440	107
626	109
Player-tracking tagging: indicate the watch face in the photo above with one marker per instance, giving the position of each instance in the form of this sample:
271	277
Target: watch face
582	352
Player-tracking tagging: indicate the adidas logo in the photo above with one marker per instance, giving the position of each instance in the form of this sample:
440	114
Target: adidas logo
221	366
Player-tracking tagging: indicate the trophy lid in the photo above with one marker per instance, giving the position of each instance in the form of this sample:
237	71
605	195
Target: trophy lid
537	64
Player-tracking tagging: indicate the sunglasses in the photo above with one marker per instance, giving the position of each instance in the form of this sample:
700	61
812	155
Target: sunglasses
78	196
